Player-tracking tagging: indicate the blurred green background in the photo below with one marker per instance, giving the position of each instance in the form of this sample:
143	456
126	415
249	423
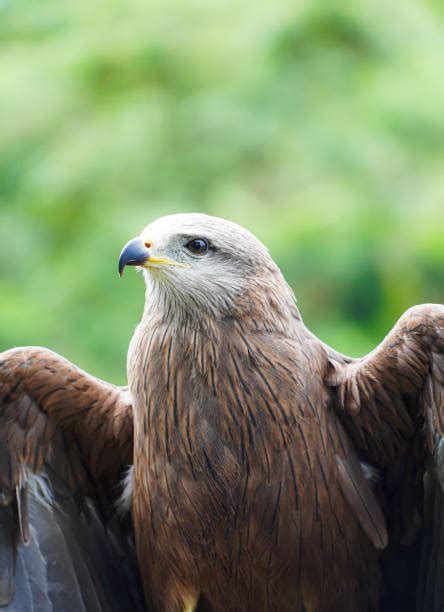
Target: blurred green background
319	126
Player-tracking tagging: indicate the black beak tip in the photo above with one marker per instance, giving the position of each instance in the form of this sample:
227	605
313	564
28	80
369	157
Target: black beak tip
134	253
122	264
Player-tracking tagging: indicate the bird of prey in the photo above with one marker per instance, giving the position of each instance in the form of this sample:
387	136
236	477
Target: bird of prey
269	472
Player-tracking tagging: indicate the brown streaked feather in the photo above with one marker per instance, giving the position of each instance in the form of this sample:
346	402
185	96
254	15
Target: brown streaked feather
41	394
236	489
408	363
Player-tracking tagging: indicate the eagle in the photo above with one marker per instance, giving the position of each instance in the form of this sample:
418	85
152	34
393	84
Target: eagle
263	470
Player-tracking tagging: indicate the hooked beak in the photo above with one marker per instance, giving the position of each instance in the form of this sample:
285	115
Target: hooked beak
136	253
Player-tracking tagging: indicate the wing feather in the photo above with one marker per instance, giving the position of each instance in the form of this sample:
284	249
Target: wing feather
55	418
43	395
392	404
407	365
358	493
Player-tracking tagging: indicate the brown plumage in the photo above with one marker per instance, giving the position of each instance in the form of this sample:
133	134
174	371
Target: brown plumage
250	490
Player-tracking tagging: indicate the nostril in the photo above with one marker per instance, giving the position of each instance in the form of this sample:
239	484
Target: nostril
148	245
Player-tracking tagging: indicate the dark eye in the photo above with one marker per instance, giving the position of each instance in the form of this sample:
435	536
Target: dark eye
198	246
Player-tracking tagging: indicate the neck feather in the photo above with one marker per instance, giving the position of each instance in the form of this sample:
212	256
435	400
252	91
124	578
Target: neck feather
263	303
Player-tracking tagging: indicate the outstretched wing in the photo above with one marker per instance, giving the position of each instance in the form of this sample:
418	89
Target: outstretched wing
392	404
68	436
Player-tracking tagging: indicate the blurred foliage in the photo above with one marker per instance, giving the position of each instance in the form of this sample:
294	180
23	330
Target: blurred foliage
319	126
